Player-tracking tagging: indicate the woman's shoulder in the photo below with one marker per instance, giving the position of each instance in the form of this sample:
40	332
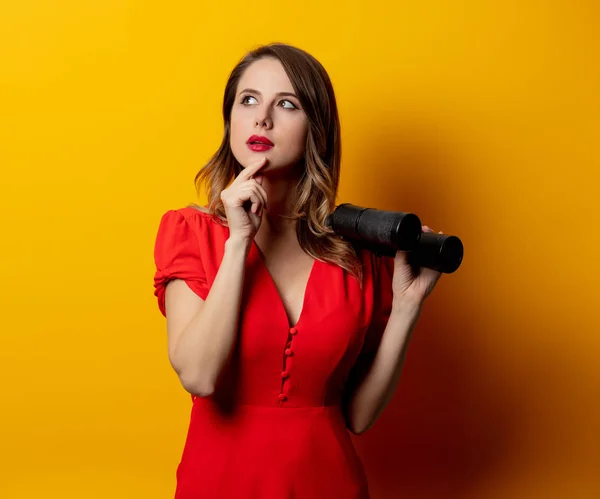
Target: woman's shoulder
195	215
180	226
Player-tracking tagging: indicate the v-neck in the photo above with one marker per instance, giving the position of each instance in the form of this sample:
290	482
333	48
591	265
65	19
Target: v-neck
259	257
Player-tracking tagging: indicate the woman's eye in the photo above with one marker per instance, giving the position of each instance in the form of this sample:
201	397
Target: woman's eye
291	104
245	99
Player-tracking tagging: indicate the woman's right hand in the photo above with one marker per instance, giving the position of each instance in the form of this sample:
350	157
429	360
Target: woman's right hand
244	201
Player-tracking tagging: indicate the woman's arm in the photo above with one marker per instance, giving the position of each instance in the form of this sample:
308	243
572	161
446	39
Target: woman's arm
368	399
202	337
374	390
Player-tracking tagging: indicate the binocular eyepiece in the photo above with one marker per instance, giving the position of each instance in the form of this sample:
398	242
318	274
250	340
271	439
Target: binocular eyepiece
385	232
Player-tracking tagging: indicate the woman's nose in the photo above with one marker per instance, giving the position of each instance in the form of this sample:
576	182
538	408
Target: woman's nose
263	121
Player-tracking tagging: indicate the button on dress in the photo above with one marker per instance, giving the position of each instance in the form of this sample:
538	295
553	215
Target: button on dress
275	426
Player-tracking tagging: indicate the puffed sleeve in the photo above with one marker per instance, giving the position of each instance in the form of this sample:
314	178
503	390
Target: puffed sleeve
383	272
177	256
382	304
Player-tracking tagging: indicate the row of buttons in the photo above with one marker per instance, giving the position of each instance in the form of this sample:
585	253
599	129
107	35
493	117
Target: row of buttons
285	374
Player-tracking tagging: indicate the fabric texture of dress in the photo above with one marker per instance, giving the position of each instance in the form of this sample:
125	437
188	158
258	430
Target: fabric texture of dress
275	427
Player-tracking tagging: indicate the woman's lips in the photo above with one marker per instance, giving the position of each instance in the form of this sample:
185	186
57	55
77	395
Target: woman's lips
259	143
259	147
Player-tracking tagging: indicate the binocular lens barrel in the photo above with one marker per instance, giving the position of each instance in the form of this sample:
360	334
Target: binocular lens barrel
440	252
388	228
385	232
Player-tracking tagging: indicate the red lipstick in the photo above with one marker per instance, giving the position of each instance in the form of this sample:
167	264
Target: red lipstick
259	143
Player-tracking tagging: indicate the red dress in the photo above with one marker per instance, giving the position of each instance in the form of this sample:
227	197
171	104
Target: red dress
274	428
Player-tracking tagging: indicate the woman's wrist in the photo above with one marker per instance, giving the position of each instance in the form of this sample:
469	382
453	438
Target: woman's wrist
406	305
238	245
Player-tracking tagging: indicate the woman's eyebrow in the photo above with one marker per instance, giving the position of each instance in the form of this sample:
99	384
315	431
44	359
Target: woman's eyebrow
279	94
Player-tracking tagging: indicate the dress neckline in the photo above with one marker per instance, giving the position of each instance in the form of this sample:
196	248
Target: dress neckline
307	287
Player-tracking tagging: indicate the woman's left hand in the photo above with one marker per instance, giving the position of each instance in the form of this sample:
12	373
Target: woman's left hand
411	284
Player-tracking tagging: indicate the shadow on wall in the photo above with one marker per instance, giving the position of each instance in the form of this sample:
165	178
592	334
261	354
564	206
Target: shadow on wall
450	422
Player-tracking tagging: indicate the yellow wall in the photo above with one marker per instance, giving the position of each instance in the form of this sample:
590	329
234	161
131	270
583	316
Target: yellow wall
481	117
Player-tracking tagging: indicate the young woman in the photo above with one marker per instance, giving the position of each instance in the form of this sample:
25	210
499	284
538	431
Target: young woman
285	335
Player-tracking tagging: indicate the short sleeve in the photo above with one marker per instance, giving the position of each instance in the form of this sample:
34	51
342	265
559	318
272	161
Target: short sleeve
383	272
382	304
177	256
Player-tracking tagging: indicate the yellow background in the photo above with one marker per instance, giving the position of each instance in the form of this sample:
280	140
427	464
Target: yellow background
480	117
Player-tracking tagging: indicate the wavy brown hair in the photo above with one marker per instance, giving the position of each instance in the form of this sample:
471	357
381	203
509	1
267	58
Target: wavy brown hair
318	184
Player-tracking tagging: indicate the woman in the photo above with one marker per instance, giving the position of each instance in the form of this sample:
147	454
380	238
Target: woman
285	335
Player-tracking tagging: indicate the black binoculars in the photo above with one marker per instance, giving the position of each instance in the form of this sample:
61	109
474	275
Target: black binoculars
385	232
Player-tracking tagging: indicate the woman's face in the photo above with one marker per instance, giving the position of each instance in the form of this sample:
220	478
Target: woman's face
266	106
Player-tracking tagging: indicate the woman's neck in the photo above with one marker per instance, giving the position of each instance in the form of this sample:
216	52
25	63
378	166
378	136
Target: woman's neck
282	193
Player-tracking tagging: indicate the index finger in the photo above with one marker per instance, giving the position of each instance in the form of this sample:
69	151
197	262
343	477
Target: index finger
252	169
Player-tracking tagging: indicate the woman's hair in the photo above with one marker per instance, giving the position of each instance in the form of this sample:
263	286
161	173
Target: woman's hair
317	187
